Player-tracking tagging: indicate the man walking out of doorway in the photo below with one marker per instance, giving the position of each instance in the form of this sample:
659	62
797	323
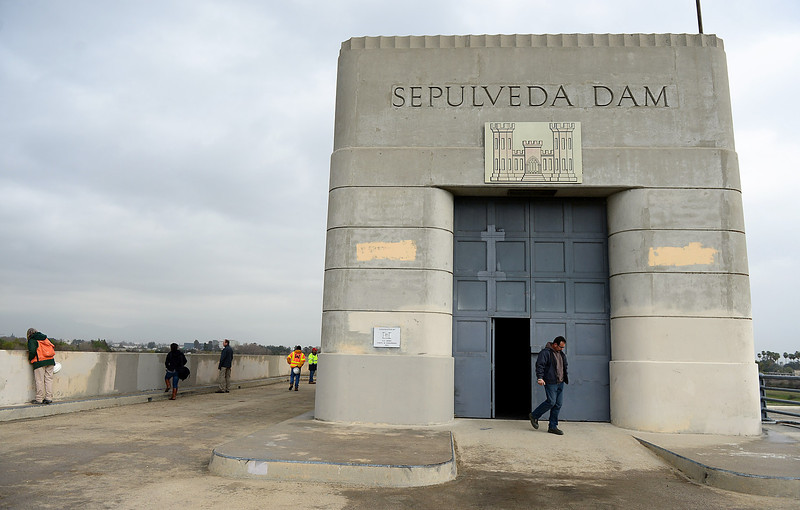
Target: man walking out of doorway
551	372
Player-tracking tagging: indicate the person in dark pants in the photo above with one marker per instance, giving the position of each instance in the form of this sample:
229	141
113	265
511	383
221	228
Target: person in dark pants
312	365
224	367
296	360
551	372
174	362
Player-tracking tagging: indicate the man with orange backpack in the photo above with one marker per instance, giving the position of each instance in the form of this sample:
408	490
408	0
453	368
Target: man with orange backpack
295	360
41	354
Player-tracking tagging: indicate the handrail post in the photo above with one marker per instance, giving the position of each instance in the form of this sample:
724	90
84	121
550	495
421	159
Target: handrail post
763	394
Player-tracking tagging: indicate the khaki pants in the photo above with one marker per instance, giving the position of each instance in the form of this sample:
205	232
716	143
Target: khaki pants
43	377
225	379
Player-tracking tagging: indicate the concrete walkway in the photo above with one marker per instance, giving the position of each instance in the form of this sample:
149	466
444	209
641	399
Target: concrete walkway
768	465
27	410
596	464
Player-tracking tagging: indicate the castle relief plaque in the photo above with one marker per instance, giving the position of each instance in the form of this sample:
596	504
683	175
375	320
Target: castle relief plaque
533	152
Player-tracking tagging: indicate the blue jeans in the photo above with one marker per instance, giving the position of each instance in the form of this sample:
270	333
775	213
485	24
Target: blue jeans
294	379
311	375
555	396
174	376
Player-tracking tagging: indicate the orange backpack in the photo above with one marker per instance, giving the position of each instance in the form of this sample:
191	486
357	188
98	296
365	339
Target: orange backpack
45	350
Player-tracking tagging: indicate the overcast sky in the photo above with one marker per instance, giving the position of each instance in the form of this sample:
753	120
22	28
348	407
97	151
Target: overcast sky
164	164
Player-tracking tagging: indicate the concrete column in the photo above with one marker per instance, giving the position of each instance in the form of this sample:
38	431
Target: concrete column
681	328
388	264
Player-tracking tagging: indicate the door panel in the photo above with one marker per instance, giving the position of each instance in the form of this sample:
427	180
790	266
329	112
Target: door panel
545	260
471	295
473	368
512	296
470	256
588	356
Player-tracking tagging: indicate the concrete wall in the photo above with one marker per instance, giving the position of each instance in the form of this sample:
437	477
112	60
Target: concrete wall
680	303
91	374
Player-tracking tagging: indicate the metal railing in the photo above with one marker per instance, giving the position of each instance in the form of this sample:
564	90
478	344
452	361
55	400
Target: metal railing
765	412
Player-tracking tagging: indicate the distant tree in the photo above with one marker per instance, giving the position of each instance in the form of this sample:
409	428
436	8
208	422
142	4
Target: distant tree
100	346
794	362
151	345
277	349
768	362
12	343
197	345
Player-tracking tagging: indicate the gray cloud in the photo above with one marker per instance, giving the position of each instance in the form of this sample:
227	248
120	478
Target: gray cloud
164	164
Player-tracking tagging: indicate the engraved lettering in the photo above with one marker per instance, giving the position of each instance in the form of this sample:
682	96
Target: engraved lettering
489	95
531	88
455	104
607	90
434	96
547	95
474	98
398	94
627	94
648	94
512	96
561	94
416	93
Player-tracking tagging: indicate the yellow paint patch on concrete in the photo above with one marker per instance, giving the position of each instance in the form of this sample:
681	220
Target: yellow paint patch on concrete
690	255
400	250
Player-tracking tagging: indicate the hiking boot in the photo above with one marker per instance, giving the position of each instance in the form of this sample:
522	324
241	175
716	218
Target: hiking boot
534	421
47	401
556	431
34	401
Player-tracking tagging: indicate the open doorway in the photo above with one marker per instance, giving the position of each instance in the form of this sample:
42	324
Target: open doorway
512	369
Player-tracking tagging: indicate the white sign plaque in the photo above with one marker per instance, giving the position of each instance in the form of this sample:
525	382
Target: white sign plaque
386	337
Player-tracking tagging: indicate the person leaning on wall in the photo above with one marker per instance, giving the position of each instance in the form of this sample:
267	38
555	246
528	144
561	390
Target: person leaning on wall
174	362
41	354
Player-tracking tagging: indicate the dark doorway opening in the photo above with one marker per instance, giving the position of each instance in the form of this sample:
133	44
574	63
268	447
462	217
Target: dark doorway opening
512	369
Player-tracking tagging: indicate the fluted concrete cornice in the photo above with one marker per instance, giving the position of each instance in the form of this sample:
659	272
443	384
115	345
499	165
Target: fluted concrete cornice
533	40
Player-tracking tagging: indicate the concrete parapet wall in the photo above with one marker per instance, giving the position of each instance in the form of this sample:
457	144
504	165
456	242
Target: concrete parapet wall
92	374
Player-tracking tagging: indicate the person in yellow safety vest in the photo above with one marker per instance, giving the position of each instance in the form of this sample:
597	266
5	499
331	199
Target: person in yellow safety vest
295	360
312	365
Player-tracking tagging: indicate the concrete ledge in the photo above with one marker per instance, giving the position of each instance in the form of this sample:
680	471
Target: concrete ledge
760	485
25	411
304	449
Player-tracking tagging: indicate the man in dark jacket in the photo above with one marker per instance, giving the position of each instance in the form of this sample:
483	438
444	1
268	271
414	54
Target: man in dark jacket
551	372
43	363
224	367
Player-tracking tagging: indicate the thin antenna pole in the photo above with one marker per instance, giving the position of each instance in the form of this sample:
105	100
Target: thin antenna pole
699	17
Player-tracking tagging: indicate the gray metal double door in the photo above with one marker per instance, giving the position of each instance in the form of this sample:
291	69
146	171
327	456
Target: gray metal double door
541	259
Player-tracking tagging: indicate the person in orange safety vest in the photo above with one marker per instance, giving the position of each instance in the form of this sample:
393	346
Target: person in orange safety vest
296	360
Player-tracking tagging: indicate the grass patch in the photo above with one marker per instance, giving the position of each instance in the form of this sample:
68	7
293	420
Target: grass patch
783	395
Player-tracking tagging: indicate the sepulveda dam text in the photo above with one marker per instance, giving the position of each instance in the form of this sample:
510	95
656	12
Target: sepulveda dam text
591	95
